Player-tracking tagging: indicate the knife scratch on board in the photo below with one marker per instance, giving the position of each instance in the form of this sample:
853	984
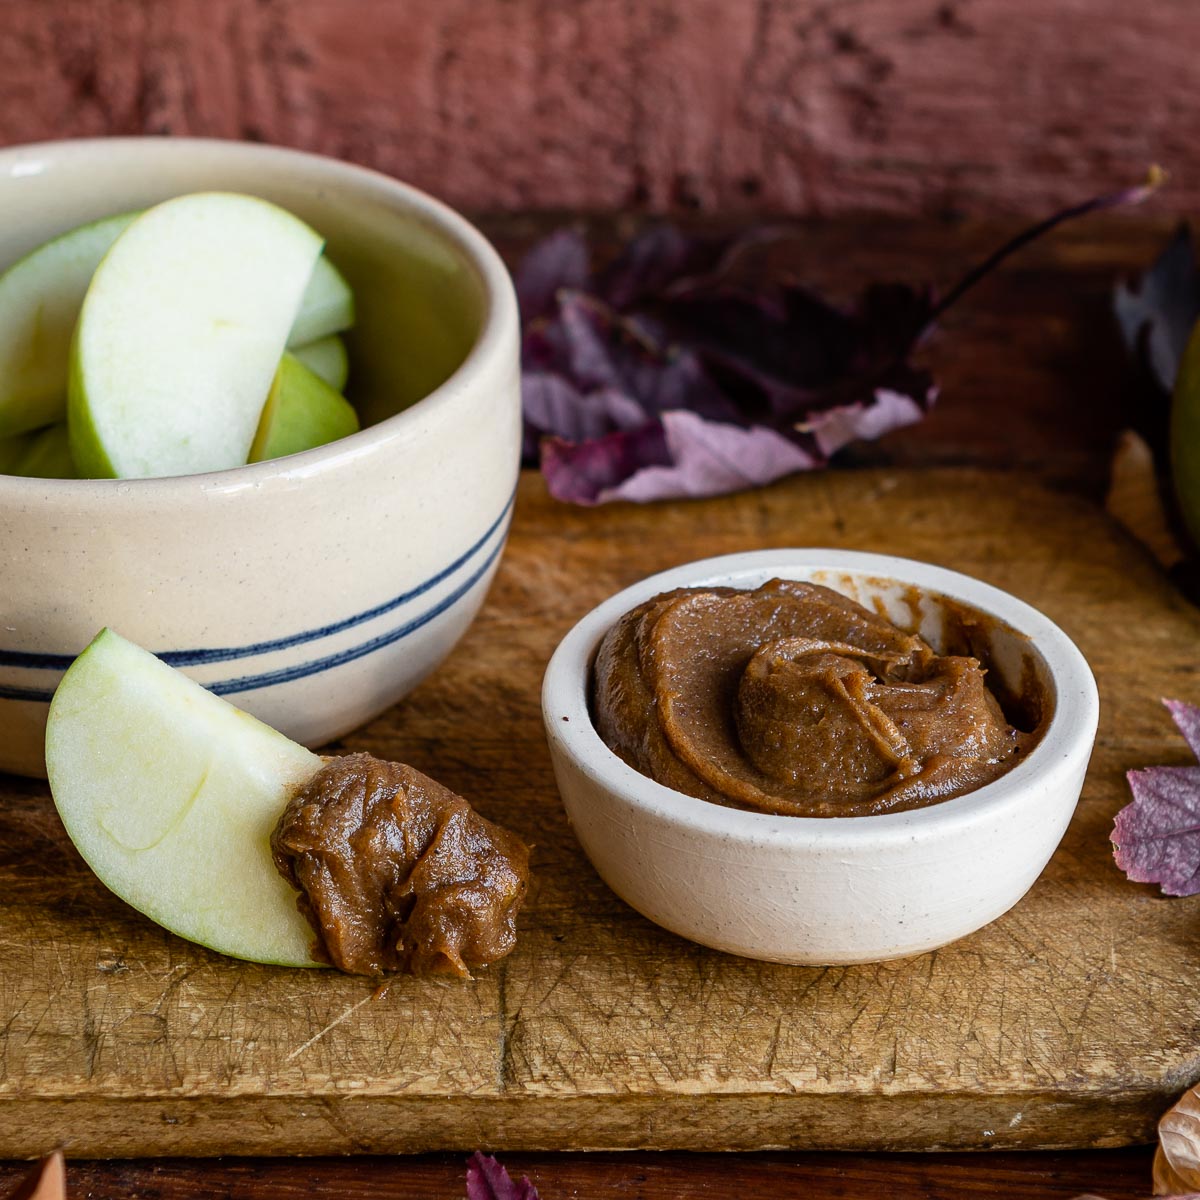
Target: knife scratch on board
316	1037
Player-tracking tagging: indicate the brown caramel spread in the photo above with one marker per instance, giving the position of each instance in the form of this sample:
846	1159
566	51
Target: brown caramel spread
397	873
795	700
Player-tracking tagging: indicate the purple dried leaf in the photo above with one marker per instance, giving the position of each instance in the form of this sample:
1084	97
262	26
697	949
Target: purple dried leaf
658	260
1157	310
558	262
590	372
1157	836
552	402
603	350
1187	721
589	472
838	427
680	455
658	379
787	354
488	1180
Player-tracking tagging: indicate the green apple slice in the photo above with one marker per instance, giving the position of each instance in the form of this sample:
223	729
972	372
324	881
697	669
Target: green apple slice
302	411
180	334
40	296
170	795
46	455
328	359
328	306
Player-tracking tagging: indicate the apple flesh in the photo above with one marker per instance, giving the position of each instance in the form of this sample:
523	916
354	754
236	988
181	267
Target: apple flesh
302	411
40	297
170	795
180	334
327	308
328	359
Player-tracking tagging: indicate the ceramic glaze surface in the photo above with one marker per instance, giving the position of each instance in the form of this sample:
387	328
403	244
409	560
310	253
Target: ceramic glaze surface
313	590
828	890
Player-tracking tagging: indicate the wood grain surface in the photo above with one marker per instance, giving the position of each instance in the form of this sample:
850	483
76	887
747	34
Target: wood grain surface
1069	1022
800	106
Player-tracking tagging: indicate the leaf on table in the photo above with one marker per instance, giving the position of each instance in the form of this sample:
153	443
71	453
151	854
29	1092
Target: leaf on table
556	262
705	390
686	368
678	455
47	1181
1177	1160
1157	310
488	1180
1156	837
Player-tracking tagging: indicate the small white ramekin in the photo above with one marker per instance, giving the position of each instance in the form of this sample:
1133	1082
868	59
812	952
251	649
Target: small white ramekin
827	890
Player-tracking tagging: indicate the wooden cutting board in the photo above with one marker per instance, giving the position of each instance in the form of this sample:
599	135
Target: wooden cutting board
1072	1021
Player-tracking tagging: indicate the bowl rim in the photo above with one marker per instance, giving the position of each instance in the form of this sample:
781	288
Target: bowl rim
1072	727
489	352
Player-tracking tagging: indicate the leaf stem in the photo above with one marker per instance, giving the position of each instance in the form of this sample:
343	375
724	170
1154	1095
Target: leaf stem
1155	177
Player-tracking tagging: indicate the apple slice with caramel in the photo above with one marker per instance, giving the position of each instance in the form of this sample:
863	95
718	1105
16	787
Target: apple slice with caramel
228	834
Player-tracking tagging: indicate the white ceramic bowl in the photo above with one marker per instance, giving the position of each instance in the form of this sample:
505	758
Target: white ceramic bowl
313	590
827	890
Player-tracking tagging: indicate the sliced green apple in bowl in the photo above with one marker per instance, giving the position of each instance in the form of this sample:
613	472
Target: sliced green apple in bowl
170	795
302	411
180	335
41	295
327	307
327	358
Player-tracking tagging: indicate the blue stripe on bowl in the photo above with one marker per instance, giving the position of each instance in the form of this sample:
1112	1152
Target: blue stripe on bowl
246	683
203	657
249	683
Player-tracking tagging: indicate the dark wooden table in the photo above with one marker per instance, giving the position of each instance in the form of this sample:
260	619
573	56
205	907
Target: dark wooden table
1033	379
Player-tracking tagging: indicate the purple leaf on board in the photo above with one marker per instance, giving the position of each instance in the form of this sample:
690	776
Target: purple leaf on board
681	454
660	259
838	427
1187	721
657	377
557	262
1157	836
600	354
590	472
488	1180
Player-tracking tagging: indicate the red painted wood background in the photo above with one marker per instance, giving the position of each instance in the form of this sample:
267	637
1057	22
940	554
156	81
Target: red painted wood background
808	107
